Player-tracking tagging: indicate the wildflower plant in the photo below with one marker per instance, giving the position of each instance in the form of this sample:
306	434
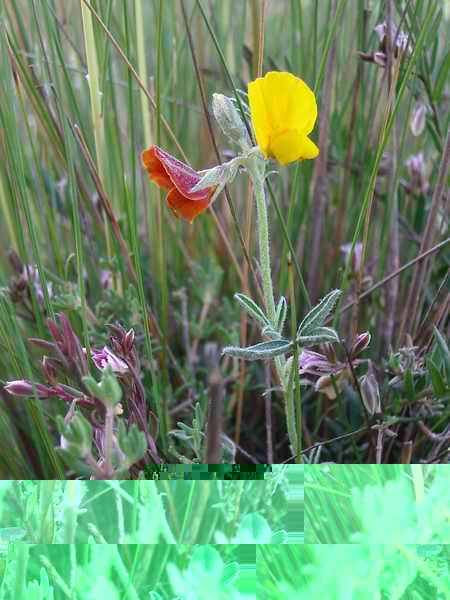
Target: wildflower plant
283	112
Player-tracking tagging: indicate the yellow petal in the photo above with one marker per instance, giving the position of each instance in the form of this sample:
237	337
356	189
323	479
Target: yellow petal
289	145
309	150
260	118
280	101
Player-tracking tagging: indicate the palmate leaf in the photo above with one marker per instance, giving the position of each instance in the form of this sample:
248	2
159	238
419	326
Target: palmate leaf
261	351
317	315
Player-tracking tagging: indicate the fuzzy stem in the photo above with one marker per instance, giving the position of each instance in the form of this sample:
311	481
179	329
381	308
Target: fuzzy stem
257	174
256	168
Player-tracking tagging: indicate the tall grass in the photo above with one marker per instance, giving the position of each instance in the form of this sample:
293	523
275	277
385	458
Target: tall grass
86	86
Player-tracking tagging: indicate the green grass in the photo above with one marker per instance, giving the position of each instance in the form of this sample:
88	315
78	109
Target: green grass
85	91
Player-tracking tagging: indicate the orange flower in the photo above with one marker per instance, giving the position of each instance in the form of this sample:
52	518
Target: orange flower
178	179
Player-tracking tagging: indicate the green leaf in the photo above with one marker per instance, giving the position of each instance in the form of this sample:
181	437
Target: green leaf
317	315
320	335
252	308
409	385
132	443
442	78
270	332
437	380
281	313
261	351
442	344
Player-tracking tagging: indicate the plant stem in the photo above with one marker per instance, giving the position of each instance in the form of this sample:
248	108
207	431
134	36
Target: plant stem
256	169
296	391
257	174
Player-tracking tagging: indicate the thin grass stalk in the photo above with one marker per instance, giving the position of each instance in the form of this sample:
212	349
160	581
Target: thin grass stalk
217	153
247	125
162	262
413	301
5	209
396	273
319	195
384	136
96	108
367	219
352	137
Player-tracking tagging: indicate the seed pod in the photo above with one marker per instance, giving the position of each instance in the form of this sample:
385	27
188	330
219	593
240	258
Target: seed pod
370	392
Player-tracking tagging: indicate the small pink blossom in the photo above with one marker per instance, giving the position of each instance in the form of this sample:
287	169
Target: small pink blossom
103	358
401	39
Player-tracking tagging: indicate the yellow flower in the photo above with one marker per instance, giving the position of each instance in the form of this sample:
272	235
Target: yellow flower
283	110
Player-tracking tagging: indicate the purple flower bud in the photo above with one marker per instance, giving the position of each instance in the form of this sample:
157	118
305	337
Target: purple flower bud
24	388
418	118
49	369
105	357
360	344
106	279
128	341
417	172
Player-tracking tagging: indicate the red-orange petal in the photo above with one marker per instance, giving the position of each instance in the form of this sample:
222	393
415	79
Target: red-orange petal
184	207
178	179
183	177
155	168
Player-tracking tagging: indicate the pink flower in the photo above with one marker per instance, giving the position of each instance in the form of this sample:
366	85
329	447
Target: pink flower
316	364
400	38
105	357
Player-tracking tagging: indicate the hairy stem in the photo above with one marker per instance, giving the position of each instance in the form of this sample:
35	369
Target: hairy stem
256	169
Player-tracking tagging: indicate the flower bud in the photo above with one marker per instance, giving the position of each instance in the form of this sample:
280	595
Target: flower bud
24	388
230	121
49	369
128	341
356	256
418	118
360	344
417	172
370	392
